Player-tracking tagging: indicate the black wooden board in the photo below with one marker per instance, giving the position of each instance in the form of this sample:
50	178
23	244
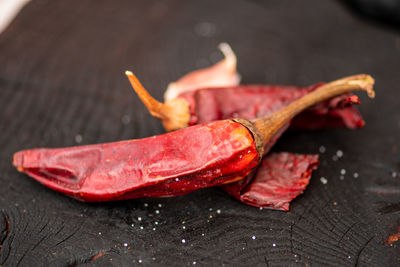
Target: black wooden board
61	79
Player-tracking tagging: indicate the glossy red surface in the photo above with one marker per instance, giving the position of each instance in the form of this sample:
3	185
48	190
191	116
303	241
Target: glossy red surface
171	164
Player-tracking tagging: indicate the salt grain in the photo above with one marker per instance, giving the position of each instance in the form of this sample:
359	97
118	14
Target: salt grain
274	245
334	158
341	177
157	212
140	261
322	149
194	263
125	244
219	211
323	180
139	219
339	153
394	174
355	175
342	171
253	237
78	138
183	241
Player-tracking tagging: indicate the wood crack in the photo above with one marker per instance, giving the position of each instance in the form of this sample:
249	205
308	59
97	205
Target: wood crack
362	249
6	231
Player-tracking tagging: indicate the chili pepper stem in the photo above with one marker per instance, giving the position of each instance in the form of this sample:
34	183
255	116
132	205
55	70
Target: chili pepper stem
268	126
174	113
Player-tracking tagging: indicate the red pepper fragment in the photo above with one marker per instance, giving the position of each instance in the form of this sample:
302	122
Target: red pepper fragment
280	178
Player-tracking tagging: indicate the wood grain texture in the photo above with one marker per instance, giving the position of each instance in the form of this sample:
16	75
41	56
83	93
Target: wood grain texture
61	75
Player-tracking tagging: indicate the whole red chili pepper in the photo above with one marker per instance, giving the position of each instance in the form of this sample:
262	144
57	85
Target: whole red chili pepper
175	163
213	93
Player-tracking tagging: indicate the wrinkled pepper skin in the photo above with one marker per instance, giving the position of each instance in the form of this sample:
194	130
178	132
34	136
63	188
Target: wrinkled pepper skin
280	178
171	164
254	101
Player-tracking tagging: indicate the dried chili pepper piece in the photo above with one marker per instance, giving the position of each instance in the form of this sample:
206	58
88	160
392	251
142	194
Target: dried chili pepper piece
279	178
213	94
176	163
166	165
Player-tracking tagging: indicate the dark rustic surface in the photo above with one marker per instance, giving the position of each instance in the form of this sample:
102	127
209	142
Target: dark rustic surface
61	77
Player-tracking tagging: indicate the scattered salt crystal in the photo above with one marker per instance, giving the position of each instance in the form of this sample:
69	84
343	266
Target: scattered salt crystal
177	179
140	261
139	219
99	233
78	138
341	177
253	237
146	205
202	234
394	174
154	228
159	205
183	241
334	158
194	263
125	244
274	245
132	225
210	209
156	223
323	180
183	227
355	175
339	153
141	227
157	212
219	211
261	208
322	149
342	171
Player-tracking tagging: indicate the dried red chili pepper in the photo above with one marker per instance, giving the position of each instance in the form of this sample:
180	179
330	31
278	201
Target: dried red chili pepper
176	163
213	93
